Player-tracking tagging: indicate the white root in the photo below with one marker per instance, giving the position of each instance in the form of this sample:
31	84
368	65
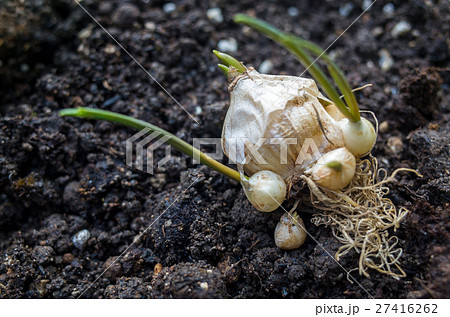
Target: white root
360	217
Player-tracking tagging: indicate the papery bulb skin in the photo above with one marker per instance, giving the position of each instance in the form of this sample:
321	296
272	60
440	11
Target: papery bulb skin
334	112
359	137
289	232
324	174
265	190
286	114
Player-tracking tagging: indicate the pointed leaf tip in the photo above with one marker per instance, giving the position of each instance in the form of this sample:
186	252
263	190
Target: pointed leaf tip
228	60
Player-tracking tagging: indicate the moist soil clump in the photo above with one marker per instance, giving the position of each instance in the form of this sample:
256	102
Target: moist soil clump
69	204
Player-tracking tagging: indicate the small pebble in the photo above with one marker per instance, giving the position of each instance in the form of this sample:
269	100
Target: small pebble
266	67
110	49
366	4
345	9
388	9
383	127
401	28
215	15
395	145
204	286
228	45
151	26
384	162
386	61
292	11
198	110
83	49
80	238
27	147
169	7
377	31
85	33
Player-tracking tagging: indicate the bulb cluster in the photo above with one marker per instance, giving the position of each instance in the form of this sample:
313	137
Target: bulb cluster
286	108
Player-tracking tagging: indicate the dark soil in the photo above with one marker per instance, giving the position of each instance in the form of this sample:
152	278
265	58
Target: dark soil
69	204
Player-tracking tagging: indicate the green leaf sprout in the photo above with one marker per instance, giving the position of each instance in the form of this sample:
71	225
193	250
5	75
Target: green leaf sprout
98	114
303	49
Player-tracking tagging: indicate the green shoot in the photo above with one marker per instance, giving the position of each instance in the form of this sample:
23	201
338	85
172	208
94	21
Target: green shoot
337	166
98	114
302	49
224	69
228	61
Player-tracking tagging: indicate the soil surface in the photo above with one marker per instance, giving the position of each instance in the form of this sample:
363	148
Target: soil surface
69	204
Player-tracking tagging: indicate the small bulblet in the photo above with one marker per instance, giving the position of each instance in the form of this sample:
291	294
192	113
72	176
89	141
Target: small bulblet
359	137
289	232
266	190
285	115
335	169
